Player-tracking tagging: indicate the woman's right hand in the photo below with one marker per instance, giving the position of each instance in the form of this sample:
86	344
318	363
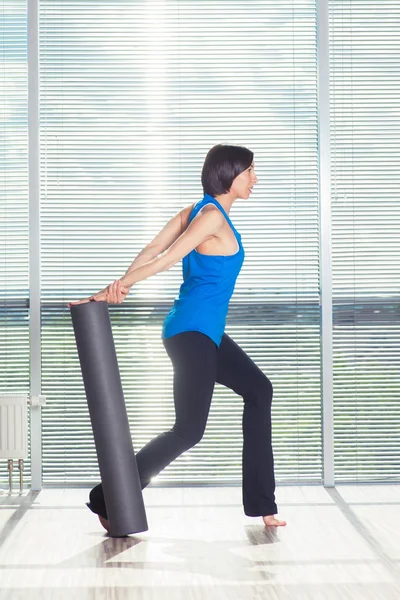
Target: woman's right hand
116	292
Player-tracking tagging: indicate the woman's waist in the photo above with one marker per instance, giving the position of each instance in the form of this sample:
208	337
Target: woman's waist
196	288
210	303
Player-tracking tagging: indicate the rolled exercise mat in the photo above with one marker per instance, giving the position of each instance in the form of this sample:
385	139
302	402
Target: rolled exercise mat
105	398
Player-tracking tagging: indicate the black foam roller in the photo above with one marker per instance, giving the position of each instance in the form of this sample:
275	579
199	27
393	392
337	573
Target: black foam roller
105	398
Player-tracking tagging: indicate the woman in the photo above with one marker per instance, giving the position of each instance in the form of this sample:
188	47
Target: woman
193	333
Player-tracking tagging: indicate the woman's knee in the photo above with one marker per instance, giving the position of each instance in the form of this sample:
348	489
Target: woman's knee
269	389
190	435
262	390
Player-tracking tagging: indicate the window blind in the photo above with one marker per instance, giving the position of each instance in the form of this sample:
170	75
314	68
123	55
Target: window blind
14	323
364	46
133	94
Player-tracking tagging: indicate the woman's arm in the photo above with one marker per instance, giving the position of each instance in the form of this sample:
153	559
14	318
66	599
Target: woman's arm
163	240
173	242
204	226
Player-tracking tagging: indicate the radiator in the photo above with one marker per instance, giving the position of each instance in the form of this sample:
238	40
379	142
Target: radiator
14	432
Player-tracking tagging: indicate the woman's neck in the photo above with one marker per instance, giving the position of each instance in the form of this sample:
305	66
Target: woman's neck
226	201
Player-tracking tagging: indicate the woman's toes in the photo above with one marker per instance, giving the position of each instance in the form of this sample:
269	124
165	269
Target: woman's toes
272	521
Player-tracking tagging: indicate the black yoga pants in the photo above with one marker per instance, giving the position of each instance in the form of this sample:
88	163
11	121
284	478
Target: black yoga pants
198	364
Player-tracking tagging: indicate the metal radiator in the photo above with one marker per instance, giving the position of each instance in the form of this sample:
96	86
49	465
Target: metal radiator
14	433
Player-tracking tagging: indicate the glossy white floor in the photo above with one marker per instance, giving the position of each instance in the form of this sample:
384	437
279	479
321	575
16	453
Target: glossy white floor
339	544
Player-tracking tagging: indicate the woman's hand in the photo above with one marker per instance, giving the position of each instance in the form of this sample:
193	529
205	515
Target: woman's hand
116	292
75	302
100	296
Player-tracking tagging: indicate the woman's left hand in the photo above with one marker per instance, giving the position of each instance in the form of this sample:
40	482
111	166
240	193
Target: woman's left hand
116	292
100	296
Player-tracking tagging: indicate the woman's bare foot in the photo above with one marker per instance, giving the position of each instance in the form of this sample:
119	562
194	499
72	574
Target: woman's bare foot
271	521
104	523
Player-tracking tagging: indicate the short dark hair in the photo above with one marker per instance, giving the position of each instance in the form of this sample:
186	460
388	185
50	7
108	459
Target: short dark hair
222	165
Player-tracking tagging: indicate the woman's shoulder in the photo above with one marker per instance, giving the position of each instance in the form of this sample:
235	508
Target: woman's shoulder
210	211
199	209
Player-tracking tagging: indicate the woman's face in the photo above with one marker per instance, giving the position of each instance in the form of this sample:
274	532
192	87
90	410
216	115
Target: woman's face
243	184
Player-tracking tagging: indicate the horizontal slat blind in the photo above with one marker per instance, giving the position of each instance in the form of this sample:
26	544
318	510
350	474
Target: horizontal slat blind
133	94
14	323
365	108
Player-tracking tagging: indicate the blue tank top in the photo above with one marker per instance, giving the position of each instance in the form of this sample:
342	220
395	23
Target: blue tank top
208	284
